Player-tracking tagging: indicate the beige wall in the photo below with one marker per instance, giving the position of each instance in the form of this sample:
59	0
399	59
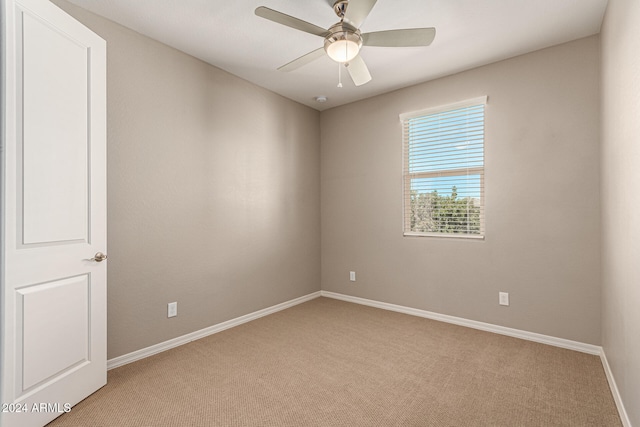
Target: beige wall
213	192
542	199
621	198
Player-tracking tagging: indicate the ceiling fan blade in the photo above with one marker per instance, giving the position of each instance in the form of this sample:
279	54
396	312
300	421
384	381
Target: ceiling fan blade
290	21
400	38
357	12
358	71
303	60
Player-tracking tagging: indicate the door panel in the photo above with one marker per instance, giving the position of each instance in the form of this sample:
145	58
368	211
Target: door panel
53	295
54	133
45	310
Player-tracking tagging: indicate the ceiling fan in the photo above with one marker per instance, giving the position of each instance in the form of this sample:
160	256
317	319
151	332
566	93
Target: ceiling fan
343	40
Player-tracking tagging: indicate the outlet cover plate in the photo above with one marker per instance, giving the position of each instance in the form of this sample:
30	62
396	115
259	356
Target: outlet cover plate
172	309
503	298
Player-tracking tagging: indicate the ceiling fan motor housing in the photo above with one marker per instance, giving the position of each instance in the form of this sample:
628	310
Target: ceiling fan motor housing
343	43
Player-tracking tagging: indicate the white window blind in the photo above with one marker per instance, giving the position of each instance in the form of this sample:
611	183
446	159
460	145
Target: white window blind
444	170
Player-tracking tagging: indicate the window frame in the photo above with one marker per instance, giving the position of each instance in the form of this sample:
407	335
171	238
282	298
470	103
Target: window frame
407	177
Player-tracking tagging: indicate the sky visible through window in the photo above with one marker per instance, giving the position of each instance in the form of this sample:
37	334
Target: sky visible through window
450	142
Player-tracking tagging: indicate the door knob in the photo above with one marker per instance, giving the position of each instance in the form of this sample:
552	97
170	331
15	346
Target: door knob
99	257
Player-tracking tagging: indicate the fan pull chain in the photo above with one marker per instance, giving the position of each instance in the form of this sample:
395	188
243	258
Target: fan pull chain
339	75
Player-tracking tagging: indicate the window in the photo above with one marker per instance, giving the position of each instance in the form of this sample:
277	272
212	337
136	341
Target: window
444	170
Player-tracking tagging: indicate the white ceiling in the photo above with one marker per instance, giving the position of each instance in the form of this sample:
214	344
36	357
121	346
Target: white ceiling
470	33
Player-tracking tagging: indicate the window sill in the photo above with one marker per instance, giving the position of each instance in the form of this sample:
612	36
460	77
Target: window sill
446	235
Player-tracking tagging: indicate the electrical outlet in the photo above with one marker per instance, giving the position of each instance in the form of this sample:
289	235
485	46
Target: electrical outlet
352	276
172	309
503	298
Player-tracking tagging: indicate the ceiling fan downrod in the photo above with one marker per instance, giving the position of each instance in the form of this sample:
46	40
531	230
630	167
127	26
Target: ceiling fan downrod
340	7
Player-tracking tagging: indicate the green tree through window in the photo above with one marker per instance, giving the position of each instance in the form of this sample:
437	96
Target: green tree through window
434	213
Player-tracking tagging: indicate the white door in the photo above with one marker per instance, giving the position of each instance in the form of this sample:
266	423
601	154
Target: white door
53	300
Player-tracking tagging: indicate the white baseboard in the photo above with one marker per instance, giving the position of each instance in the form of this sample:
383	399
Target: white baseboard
184	339
624	417
502	330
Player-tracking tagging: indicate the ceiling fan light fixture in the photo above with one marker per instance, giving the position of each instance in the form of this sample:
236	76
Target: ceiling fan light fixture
342	50
342	45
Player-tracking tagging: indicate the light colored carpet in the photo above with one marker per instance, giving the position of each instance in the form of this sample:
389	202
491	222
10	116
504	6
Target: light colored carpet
333	363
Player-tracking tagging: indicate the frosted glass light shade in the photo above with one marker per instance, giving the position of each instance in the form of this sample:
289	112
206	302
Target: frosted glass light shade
342	50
